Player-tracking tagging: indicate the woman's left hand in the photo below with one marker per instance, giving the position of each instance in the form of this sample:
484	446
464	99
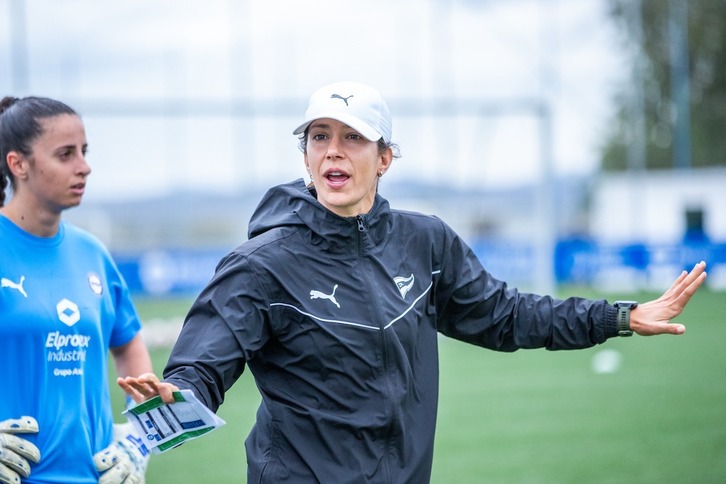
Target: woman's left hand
654	317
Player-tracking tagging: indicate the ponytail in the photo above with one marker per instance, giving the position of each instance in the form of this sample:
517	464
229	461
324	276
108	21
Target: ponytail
4	169
6	103
3	184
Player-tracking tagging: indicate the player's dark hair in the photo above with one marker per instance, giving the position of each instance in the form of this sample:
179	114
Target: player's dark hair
20	127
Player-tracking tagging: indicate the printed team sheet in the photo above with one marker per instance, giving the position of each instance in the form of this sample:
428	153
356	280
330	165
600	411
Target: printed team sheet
166	426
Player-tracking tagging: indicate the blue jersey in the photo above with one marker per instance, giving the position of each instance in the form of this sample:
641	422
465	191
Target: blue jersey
63	304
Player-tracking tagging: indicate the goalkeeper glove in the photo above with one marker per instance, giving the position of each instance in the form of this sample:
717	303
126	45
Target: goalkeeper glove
14	451
125	460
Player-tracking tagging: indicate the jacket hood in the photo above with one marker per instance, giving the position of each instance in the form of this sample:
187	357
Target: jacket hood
280	207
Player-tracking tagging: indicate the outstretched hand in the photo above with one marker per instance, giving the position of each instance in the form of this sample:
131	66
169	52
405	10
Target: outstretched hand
146	386
654	317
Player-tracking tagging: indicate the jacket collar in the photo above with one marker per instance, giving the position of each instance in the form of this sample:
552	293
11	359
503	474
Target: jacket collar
295	203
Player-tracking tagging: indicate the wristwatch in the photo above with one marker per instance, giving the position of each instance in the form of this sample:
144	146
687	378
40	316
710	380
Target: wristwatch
623	317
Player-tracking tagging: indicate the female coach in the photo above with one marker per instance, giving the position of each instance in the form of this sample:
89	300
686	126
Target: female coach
335	304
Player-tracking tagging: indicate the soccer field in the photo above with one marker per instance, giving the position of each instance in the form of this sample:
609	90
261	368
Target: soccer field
535	416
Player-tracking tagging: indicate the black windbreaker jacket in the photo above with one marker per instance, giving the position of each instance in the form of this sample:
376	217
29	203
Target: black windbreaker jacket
337	319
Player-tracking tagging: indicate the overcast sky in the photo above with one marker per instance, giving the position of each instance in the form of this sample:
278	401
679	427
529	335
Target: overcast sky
155	82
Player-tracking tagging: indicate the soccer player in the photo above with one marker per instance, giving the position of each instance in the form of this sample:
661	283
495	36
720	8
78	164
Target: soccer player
336	302
63	306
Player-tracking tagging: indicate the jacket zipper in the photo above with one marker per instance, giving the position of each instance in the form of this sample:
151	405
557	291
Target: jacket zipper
360	219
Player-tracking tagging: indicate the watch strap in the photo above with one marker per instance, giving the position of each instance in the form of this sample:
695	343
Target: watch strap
623	316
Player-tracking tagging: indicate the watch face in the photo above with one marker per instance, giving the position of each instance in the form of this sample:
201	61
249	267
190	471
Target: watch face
628	304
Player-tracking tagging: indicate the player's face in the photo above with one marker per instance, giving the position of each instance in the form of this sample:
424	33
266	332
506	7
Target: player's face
56	171
344	167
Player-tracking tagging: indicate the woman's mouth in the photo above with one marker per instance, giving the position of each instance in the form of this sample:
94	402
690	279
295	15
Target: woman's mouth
336	178
79	188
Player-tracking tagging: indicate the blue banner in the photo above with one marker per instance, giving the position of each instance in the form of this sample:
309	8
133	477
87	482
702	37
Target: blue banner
581	262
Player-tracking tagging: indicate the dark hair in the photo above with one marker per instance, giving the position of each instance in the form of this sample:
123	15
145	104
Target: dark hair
382	145
20	127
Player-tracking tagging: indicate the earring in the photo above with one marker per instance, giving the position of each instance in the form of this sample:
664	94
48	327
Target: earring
380	174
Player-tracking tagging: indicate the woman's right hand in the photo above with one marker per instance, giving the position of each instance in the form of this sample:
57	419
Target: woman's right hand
146	386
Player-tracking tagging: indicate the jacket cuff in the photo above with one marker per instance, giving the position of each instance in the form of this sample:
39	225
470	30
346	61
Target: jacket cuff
610	324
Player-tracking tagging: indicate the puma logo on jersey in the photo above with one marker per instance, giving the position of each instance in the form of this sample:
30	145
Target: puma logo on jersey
330	297
404	284
18	286
338	96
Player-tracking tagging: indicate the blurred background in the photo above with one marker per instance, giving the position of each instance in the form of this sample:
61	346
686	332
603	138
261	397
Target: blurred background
571	142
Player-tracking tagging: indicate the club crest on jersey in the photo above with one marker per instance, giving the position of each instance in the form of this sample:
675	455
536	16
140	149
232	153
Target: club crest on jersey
404	284
94	282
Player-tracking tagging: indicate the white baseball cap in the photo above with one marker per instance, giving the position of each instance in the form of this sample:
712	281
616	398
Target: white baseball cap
359	106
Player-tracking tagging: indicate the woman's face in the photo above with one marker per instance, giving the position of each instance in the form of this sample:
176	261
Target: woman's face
53	177
344	167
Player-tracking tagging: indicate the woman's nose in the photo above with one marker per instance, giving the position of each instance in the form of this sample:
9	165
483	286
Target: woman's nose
333	151
83	167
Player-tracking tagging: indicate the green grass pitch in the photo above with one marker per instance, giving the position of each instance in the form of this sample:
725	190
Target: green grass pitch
535	416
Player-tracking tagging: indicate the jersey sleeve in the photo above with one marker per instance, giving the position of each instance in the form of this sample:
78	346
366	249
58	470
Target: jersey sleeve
125	318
